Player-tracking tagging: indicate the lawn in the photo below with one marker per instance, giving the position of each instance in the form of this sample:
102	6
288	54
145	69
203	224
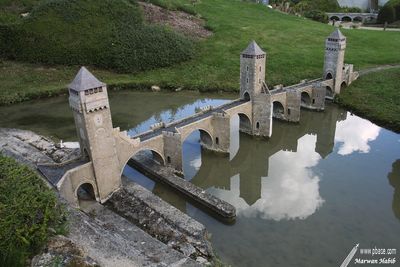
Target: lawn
294	46
376	96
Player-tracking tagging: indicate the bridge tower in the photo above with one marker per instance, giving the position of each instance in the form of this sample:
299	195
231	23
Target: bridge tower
253	88
335	46
88	100
252	71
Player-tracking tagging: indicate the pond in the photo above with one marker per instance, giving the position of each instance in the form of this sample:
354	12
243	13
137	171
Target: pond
304	197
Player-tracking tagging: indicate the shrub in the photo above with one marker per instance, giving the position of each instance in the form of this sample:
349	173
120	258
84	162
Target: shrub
390	12
103	33
28	208
317	16
387	14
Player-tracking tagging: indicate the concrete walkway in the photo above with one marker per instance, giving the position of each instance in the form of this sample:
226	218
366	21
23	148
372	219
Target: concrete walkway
379	68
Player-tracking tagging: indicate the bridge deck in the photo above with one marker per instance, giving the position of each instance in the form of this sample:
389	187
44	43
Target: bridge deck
295	86
171	127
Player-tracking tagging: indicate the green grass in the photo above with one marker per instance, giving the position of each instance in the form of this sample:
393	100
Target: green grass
108	34
294	46
376	97
28	208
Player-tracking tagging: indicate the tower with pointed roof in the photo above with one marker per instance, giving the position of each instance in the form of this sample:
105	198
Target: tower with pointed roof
88	100
252	71
335	46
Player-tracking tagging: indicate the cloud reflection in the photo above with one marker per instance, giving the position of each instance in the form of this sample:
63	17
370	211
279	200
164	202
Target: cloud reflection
291	190
355	133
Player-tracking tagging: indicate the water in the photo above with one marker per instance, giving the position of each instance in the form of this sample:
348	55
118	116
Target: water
305	197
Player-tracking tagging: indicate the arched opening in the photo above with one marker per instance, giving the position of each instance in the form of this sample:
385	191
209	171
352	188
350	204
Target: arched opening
194	148
246	96
85	193
346	19
329	76
305	99
258	125
216	140
135	173
278	110
244	123
329	92
334	18
148	154
239	123
358	19
343	86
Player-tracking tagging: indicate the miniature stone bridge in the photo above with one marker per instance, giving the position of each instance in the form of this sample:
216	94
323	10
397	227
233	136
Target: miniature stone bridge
354	17
108	149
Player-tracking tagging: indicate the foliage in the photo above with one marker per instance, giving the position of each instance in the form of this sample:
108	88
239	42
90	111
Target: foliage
317	16
387	14
390	12
28	208
376	96
89	32
351	9
216	65
11	10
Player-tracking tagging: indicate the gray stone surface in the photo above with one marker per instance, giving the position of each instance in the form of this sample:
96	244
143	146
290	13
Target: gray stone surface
161	220
114	241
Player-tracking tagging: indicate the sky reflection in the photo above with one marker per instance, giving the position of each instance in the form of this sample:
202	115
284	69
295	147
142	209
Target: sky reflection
354	134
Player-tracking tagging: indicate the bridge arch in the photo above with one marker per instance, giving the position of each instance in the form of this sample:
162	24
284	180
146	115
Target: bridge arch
336	18
305	98
278	109
329	91
205	136
346	19
155	154
86	190
343	85
244	123
358	19
192	150
328	76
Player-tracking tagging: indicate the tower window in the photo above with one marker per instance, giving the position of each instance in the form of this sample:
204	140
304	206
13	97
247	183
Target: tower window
260	68
258	125
217	140
247	68
247	80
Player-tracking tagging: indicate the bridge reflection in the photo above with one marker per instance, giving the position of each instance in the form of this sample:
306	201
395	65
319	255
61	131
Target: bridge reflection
252	159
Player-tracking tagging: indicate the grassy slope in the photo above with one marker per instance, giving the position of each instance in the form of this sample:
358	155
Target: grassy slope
377	97
295	49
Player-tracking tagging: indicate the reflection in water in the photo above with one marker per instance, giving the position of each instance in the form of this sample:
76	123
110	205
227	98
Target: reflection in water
355	134
273	179
394	180
302	196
